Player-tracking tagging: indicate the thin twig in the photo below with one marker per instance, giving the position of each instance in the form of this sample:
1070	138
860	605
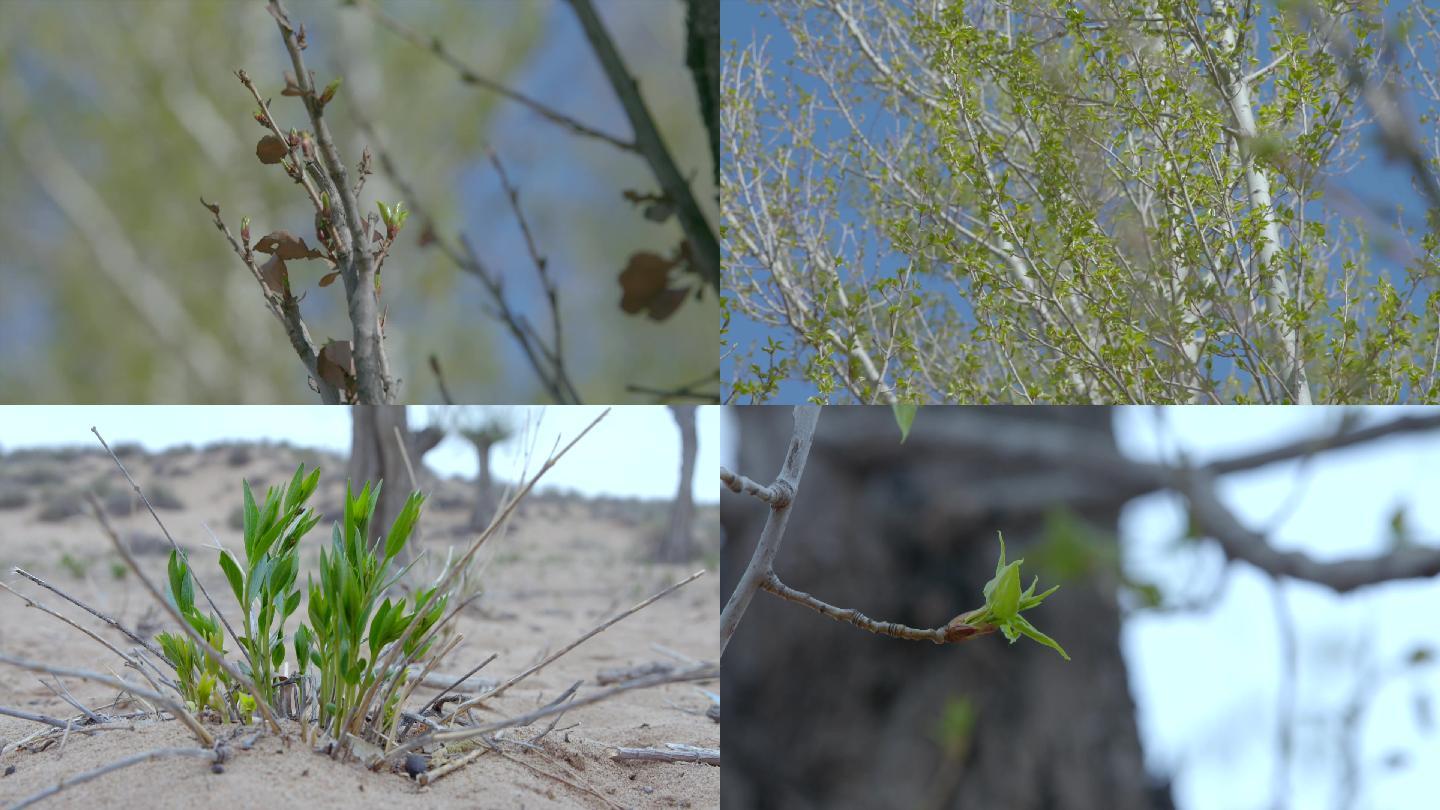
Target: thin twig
214	654
673	752
704	673
556	352
763	559
215	755
114	623
592	632
434	702
706	254
165	531
440	380
690	390
171	704
469	76
957	630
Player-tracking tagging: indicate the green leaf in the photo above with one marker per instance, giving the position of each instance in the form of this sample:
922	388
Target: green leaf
904	417
404	523
385	215
1030	631
232	573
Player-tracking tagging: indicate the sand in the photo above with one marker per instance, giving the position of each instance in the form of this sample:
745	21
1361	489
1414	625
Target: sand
565	565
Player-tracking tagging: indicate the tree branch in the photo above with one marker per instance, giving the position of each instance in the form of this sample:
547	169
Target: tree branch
1241	543
706	255
786	485
373	383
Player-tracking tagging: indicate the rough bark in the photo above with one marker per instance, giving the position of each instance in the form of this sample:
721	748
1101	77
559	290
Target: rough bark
678	544
820	714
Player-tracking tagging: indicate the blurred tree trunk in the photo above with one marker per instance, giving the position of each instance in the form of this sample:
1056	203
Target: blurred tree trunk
678	544
821	714
375	456
485	501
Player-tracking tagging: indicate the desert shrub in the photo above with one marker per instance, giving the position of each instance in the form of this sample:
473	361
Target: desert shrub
163	497
60	506
13	497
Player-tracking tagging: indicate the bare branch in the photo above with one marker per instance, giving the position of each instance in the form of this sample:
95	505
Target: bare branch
763	559
435	46
647	138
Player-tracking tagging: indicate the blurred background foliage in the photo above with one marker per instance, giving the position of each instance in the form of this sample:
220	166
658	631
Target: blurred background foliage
117	117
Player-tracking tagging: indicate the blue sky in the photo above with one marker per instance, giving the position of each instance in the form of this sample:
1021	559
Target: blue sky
1206	682
633	452
1374	184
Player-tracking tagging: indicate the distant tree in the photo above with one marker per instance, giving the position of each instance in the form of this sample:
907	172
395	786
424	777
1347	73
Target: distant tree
678	543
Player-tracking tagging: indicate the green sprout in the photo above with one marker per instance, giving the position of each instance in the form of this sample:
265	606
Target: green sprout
265	587
1004	602
346	603
353	655
203	683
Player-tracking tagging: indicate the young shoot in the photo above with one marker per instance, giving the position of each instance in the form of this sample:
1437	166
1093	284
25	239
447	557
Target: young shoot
1004	602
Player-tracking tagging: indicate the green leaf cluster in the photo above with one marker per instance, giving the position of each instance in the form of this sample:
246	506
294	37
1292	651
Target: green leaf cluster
1005	601
350	626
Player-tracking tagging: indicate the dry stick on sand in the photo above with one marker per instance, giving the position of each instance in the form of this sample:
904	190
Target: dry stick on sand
782	494
673	752
212	754
111	647
119	683
497	691
219	659
708	672
130	634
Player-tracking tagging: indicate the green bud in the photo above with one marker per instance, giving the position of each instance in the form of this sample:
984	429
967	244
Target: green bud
330	91
385	213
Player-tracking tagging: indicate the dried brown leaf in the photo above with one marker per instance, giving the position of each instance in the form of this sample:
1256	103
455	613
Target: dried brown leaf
643	279
664	305
276	276
329	278
336	365
271	149
286	245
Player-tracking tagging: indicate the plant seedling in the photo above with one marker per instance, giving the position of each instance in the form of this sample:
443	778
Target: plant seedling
345	603
1004	602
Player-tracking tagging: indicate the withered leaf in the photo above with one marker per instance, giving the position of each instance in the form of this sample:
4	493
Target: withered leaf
642	280
329	278
271	149
286	245
336	365
276	276
664	305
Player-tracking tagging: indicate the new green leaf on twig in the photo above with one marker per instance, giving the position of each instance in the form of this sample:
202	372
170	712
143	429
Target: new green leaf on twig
1004	602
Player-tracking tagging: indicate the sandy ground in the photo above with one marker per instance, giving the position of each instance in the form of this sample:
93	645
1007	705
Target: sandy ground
565	565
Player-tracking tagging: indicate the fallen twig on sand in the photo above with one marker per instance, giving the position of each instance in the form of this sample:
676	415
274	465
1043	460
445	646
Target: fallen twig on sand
672	752
213	754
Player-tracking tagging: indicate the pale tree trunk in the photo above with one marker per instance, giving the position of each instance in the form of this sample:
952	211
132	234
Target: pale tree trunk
375	456
678	545
820	714
485	500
